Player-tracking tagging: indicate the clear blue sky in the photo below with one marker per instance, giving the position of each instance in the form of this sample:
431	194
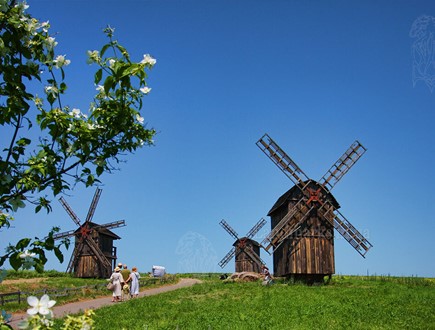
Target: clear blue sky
315	75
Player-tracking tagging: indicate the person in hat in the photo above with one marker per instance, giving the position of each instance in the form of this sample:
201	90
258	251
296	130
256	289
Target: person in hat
116	278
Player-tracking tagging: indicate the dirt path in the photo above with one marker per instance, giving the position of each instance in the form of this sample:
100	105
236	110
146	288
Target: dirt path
80	306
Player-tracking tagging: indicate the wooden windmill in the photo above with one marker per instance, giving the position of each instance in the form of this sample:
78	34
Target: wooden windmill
94	254
245	249
303	219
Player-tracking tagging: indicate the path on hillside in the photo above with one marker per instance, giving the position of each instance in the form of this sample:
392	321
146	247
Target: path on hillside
80	306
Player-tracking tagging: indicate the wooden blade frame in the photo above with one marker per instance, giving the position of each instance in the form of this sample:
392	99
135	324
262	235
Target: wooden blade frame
285	227
93	206
228	228
282	160
254	256
347	230
342	165
69	211
256	228
225	260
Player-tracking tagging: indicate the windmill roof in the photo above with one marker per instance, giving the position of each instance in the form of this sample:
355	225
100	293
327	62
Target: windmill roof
293	194
253	242
100	228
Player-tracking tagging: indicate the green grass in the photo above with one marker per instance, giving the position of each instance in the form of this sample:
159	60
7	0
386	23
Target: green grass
347	302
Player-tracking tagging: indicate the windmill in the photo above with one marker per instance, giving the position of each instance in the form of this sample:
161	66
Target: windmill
303	219
94	254
245	249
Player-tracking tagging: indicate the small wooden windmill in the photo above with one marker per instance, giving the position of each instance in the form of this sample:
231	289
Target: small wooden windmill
245	249
94	254
303	219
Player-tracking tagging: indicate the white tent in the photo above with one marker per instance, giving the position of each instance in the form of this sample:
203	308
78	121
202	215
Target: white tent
158	271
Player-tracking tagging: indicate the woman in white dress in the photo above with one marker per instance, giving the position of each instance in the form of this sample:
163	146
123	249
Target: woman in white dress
116	279
133	279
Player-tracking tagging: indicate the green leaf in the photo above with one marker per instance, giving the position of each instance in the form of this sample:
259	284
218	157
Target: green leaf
98	76
103	50
15	261
108	84
23	243
58	253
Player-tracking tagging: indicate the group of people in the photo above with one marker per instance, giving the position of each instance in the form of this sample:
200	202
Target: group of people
126	282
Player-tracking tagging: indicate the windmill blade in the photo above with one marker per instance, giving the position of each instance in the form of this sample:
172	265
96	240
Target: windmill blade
287	226
228	228
342	165
76	252
111	225
69	211
98	253
256	228
225	260
254	256
93	205
68	233
282	160
348	231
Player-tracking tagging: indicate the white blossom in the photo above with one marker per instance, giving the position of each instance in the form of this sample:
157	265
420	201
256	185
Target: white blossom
147	59
51	90
111	62
27	254
51	43
40	306
145	90
61	61
93	56
139	119
75	112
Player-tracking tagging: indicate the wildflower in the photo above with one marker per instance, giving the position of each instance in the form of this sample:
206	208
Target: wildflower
145	90
61	61
40	306
147	59
111	62
139	119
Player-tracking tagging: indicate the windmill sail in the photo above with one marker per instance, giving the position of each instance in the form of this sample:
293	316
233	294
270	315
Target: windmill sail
228	228
282	160
225	260
256	228
342	165
348	231
93	205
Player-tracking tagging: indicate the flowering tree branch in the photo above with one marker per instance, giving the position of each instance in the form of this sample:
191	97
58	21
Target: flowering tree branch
74	146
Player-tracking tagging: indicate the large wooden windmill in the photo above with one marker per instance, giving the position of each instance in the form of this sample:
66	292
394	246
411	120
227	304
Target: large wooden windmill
94	254
245	249
303	219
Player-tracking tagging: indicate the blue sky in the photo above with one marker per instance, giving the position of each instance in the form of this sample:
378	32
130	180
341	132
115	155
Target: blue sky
314	75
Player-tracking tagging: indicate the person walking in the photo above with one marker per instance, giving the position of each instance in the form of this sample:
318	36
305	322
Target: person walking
115	278
125	272
133	279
